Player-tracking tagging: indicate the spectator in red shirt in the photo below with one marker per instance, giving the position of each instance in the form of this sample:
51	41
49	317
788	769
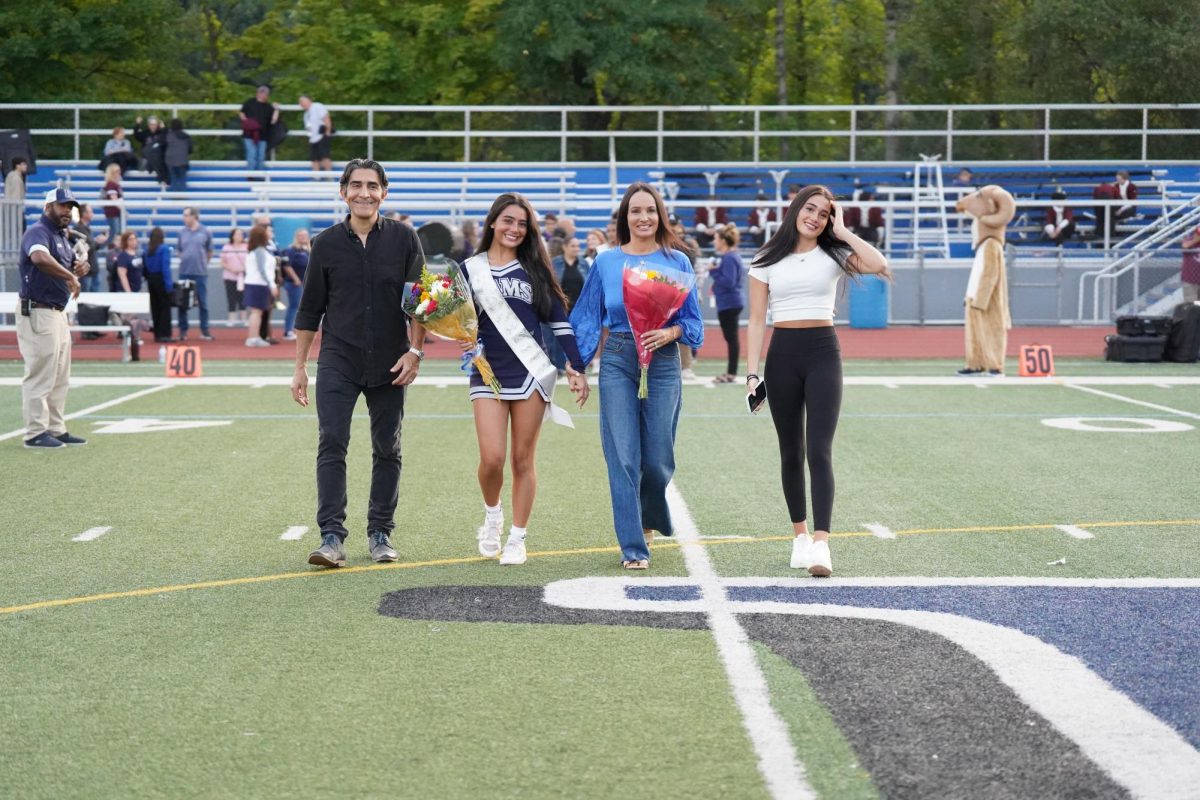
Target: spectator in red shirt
760	220
709	217
1191	267
1060	220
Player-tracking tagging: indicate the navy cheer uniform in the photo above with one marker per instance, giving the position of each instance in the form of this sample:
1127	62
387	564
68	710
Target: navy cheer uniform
515	381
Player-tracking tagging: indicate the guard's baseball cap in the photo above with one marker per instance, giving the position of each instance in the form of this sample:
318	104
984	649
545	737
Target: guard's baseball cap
61	195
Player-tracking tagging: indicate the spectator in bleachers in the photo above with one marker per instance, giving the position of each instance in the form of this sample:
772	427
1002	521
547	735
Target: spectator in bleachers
152	136
405	218
597	243
872	232
112	191
1190	270
130	267
14	181
257	115
470	233
91	281
610	231
157	262
570	267
793	190
293	279
195	247
565	229
760	219
318	124
1107	216
1060	220
727	275
14	186
118	150
965	180
1126	190
177	156
233	272
261	290
709	217
548	223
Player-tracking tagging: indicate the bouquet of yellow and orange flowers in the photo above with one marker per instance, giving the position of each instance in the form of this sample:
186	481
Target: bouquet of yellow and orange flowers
443	304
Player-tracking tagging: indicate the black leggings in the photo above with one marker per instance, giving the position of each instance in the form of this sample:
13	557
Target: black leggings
729	329
804	372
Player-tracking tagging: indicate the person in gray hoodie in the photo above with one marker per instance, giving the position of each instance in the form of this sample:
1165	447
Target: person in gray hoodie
178	156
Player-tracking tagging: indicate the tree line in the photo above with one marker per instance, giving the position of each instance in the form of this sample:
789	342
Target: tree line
616	52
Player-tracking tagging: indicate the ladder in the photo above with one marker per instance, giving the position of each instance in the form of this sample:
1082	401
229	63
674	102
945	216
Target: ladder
930	228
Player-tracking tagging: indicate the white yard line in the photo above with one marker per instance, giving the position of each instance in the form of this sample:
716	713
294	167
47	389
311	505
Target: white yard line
1075	532
95	408
892	381
879	531
92	533
1124	399
293	533
777	760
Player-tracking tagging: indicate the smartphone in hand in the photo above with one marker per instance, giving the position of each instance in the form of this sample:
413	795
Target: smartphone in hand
755	399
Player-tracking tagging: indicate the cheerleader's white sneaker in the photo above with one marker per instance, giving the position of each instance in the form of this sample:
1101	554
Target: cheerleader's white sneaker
820	563
514	551
489	537
801	545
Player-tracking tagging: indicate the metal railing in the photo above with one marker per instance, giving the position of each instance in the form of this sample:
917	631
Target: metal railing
862	127
1159	244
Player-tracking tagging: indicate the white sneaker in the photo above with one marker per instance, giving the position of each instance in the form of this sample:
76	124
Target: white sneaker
688	374
801	545
514	551
489	537
255	341
820	562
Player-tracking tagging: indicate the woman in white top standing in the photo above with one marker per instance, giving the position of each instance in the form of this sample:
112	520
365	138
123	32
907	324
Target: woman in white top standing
796	273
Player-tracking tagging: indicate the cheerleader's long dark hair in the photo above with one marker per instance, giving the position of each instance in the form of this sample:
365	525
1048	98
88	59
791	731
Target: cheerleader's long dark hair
784	242
531	252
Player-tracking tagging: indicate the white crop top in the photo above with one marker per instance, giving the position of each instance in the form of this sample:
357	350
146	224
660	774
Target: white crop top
801	286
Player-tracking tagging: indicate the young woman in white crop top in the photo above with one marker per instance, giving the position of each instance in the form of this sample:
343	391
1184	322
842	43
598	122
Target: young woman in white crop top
796	274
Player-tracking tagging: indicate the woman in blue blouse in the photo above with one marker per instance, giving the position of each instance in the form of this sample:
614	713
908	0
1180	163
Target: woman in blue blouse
727	277
157	262
638	436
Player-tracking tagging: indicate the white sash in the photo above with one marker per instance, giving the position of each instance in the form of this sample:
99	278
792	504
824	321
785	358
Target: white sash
519	339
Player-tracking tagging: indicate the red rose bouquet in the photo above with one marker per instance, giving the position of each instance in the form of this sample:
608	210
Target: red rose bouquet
652	295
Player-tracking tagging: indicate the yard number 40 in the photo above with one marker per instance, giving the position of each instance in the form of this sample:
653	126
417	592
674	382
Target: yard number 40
184	362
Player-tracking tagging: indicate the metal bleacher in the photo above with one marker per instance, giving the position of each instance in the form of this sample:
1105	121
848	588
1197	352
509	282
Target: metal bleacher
229	196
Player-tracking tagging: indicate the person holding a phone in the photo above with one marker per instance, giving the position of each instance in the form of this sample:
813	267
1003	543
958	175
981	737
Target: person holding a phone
796	275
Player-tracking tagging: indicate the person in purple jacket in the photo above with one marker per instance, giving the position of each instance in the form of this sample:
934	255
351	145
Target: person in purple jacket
515	292
727	276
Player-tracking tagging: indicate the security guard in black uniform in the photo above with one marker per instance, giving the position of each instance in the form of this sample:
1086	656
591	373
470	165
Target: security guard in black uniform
49	279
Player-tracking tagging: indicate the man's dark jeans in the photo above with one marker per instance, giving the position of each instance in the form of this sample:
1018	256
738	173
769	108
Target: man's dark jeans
337	396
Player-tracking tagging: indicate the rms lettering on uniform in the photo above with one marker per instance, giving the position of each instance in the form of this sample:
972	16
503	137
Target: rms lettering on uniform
514	287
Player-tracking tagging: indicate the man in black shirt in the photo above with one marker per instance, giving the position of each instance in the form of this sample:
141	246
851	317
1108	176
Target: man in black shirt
352	291
257	116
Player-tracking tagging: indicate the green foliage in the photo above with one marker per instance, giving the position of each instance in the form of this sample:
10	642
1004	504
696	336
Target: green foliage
508	53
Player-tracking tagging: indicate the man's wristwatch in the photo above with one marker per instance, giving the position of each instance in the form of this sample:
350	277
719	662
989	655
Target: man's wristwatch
420	354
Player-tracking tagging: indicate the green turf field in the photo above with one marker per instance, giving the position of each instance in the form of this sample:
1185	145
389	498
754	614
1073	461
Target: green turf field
189	651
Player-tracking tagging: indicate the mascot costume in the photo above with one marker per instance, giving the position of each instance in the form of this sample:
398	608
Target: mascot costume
987	319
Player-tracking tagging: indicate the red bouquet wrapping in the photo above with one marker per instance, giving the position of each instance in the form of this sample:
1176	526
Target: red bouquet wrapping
652	295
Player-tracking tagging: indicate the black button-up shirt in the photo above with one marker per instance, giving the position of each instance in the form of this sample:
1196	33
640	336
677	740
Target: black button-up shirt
357	291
